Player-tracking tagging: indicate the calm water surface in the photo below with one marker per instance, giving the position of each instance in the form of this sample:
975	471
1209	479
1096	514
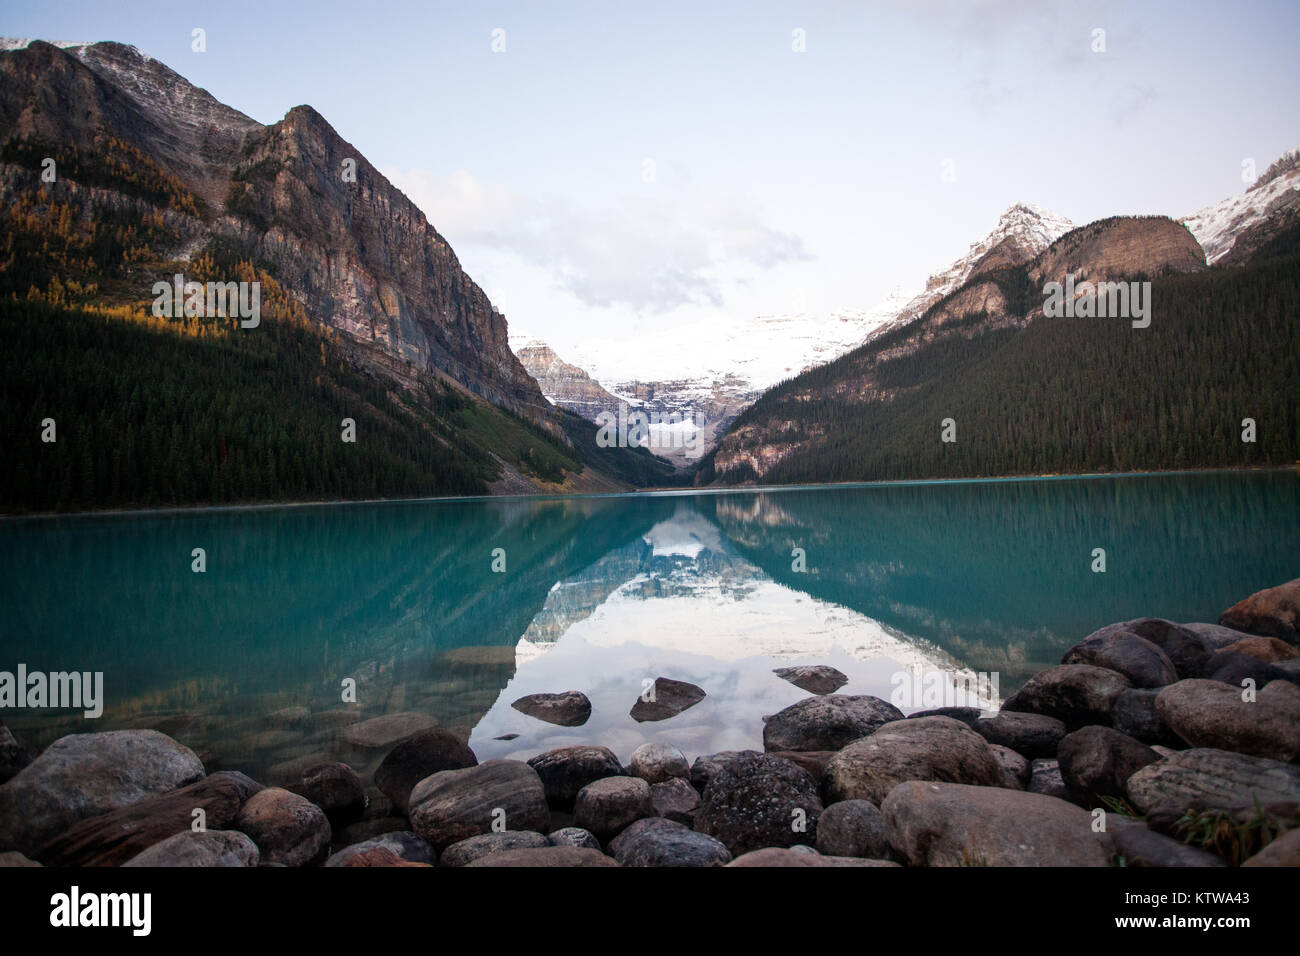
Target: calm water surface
245	662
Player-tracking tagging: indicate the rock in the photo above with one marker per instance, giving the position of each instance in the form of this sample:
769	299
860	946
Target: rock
655	763
14	754
1273	612
1015	768
84	775
1142	662
287	828
1215	636
852	828
1283	851
204	848
1206	713
675	799
452	805
376	856
1270	650
1077	694
827	723
706	766
568	709
1212	778
952	824
1096	762
506	737
814	678
336	789
1045	778
671	845
773	856
420	755
606	807
404	844
1229	667
112	838
635	829
1135	714
967	715
814	761
575	837
386	730
1139	846
551	856
668	698
471	849
931	748
760	801
1033	735
567	770
13	859
1186	649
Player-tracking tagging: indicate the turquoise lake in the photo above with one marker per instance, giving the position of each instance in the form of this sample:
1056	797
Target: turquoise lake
246	662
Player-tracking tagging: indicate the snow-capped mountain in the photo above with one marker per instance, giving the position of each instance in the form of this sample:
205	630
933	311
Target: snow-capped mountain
1226	229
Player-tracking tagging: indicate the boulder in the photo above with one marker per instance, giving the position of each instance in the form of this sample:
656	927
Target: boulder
1096	762
335	788
670	845
1139	846
1274	612
952	824
12	859
1283	851
386	730
84	775
931	748
112	838
1270	650
1230	667
1141	661
1206	777
288	829
376	856
575	837
14	754
826	723
1015	768
967	715
852	828
1077	694
567	770
657	762
814	761
1206	713
1215	636
760	801
635	829
1032	735
405	844
201	848
778	857
1135	714
471	849
550	856
814	678
1045	778
667	698
568	709
675	799
420	755
1187	649
707	765
606	807
452	805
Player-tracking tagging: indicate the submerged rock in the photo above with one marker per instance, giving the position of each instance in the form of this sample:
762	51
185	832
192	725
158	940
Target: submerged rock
667	698
84	775
827	723
568	709
385	730
814	678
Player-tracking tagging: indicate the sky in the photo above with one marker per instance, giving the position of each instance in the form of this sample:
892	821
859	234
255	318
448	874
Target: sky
609	172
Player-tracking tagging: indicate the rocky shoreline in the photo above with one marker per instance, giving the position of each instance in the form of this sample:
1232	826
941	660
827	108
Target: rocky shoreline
1152	744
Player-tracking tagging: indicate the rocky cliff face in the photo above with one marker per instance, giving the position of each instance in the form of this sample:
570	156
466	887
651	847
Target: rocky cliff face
563	384
1120	247
355	252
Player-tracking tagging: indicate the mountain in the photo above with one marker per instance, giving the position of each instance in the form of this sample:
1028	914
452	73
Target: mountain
1232	229
563	384
1020	392
153	177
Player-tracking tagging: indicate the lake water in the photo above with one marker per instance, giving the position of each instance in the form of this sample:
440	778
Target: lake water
246	661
